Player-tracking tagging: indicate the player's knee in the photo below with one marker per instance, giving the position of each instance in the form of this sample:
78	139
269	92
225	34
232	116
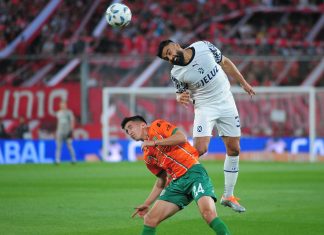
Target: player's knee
208	215
202	149
233	150
151	221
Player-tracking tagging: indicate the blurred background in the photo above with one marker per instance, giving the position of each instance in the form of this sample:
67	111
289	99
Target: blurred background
64	50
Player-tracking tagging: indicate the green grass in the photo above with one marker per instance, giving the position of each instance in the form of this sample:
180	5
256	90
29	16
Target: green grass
98	198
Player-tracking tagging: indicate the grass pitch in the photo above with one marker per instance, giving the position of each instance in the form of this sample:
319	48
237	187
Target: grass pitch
98	198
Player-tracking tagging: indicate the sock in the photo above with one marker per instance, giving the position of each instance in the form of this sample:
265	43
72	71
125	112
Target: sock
231	168
219	227
147	230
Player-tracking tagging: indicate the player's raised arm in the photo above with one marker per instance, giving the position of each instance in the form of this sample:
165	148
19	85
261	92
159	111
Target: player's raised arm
177	138
159	185
230	69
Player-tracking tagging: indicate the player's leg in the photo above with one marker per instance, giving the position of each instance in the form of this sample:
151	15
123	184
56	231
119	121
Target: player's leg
71	149
229	129
207	209
231	164
160	211
201	144
59	140
202	131
231	169
173	198
203	193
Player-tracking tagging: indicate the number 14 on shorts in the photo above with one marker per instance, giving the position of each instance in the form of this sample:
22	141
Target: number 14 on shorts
196	190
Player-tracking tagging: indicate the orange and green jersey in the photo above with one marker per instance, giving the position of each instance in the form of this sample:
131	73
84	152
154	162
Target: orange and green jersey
175	159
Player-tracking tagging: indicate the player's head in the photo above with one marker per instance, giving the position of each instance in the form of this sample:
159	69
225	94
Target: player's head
172	52
63	104
134	127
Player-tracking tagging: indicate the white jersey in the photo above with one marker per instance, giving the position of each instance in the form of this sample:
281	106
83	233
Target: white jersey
64	120
205	79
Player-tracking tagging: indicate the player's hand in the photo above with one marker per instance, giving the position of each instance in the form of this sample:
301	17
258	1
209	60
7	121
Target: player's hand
141	210
184	98
147	143
248	89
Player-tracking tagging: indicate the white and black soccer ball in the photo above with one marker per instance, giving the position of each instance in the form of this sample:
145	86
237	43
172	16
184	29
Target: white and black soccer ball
118	15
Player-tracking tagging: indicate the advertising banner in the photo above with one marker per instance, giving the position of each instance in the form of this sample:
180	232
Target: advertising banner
37	102
260	149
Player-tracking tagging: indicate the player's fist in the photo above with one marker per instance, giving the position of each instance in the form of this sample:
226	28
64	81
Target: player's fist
183	98
248	89
147	143
140	210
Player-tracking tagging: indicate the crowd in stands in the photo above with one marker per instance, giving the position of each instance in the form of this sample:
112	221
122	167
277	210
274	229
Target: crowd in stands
15	130
277	33
267	32
15	15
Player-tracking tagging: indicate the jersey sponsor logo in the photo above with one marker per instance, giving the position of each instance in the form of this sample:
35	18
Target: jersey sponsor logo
201	70
206	79
199	128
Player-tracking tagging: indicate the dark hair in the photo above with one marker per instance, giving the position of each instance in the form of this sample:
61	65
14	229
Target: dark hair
161	46
133	118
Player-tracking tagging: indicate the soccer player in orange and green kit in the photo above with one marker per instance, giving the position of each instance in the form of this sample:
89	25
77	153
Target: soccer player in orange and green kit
169	155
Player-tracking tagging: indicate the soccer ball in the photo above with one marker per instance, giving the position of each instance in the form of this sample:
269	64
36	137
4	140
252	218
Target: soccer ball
118	15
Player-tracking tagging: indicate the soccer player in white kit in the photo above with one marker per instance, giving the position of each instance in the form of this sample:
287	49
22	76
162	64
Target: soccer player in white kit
64	129
200	75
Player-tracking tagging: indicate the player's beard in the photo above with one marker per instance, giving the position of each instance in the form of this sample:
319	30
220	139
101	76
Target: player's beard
179	59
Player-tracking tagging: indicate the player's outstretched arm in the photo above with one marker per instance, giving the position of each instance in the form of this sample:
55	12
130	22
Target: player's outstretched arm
159	185
177	138
230	69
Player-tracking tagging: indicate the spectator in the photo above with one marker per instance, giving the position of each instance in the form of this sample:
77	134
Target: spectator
3	133
22	130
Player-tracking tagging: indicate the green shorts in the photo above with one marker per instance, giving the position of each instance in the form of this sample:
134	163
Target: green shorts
191	186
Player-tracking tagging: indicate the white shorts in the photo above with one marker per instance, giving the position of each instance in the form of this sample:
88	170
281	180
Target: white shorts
220	112
226	126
